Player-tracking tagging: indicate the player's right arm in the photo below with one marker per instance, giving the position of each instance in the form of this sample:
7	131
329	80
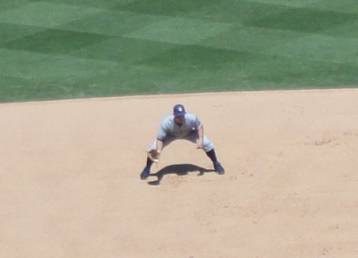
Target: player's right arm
159	146
162	134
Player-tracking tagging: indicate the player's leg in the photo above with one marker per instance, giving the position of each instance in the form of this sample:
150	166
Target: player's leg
146	171
217	165
209	149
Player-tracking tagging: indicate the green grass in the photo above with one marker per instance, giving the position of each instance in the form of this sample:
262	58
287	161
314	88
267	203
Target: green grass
84	48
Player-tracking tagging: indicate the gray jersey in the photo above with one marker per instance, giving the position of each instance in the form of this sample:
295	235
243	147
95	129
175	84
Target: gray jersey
169	129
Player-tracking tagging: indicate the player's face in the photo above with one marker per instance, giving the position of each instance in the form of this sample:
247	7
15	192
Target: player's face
179	120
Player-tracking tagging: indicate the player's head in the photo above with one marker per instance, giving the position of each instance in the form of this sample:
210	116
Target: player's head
179	114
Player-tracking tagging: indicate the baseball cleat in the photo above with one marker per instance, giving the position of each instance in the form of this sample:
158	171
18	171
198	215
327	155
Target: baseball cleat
218	168
145	173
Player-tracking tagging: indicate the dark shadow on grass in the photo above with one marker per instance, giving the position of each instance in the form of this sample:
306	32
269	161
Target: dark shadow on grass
180	170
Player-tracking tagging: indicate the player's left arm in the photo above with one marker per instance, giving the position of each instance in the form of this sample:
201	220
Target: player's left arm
200	128
200	141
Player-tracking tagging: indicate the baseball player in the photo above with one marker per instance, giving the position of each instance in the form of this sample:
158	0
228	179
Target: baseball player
180	125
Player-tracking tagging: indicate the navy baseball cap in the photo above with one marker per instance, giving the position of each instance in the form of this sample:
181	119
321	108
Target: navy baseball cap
179	110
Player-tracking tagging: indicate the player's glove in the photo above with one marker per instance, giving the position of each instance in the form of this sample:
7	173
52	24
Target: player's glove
153	155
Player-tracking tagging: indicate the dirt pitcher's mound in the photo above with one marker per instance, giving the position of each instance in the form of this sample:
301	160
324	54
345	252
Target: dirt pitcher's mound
70	187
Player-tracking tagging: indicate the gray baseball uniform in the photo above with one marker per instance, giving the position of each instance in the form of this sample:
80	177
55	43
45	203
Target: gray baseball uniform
170	131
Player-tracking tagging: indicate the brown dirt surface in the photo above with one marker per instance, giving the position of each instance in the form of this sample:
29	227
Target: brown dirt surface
70	187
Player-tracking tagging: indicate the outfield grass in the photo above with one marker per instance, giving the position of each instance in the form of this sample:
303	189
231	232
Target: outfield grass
81	48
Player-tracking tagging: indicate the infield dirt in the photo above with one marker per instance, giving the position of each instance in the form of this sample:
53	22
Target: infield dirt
70	187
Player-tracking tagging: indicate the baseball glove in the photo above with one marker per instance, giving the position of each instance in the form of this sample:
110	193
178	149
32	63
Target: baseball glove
153	155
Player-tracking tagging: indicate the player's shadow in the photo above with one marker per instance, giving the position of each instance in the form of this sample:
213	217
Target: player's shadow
180	170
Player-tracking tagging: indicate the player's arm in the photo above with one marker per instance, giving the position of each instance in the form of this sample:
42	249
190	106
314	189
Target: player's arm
162	134
200	141
159	145
154	154
200	127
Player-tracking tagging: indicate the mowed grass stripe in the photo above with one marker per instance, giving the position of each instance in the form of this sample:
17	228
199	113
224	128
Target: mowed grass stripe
229	11
249	12
348	30
111	23
320	48
9	32
45	14
123	50
284	43
304	20
179	31
34	65
55	41
104	5
19	89
293	4
8	5
166	8
344	6
299	20
226	66
78	44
